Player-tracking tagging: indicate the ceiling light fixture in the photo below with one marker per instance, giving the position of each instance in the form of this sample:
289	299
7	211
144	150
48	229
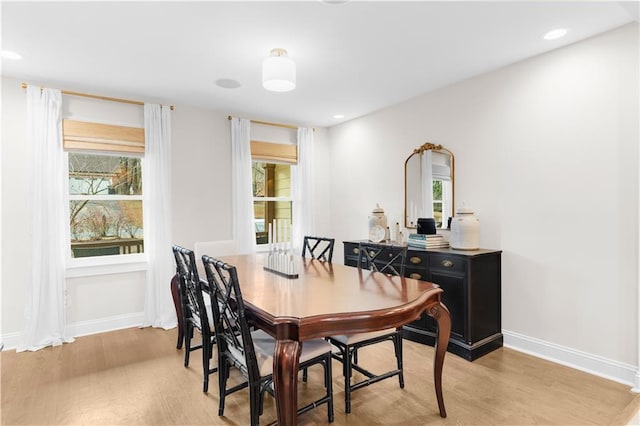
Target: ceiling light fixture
7	54
278	72
338	115
554	34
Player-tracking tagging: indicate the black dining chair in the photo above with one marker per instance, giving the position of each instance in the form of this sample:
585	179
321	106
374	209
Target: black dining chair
195	315
380	258
251	352
320	248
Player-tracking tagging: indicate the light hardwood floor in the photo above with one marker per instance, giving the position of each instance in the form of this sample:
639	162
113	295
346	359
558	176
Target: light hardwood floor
136	377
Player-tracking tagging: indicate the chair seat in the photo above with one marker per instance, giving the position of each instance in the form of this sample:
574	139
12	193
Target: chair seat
265	344
351	339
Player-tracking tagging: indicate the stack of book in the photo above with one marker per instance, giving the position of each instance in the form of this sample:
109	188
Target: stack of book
427	241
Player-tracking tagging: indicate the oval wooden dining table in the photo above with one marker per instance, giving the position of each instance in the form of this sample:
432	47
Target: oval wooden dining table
330	299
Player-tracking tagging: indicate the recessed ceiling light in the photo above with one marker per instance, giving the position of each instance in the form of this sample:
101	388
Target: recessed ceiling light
228	83
7	54
338	115
554	34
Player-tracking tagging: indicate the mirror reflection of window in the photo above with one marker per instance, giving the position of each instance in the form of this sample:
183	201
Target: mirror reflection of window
441	188
429	186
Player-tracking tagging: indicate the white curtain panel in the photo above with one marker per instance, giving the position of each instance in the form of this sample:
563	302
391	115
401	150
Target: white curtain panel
159	310
44	308
302	190
242	189
427	183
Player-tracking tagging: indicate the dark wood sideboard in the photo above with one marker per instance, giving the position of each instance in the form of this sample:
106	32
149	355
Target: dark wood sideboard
471	281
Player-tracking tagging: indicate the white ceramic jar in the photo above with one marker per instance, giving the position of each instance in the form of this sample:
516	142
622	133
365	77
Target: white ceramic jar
465	230
377	225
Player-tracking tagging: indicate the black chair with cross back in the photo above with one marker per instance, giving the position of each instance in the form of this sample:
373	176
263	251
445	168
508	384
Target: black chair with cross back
386	259
195	312
251	352
320	248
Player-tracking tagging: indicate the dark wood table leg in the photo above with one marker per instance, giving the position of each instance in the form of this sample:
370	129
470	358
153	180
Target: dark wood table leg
285	378
440	313
175	292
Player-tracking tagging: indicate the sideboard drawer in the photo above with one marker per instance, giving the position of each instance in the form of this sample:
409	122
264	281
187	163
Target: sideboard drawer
415	273
417	259
446	262
351	249
351	254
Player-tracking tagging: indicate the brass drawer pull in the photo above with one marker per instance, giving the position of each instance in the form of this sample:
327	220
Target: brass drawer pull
415	260
356	250
447	263
415	276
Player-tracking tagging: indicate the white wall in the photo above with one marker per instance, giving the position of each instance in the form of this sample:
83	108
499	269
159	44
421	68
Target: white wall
201	191
15	230
546	152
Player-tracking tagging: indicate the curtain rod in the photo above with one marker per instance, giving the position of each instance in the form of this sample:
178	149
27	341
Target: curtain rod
268	123
104	98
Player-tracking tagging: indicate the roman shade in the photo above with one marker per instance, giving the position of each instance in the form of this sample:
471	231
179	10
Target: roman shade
87	136
281	153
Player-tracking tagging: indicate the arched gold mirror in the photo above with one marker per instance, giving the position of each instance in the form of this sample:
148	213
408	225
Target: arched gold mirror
428	185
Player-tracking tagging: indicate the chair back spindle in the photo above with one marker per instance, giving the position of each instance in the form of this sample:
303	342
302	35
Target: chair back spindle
383	258
320	248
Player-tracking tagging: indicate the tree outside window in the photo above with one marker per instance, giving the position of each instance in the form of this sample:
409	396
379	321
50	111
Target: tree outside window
105	204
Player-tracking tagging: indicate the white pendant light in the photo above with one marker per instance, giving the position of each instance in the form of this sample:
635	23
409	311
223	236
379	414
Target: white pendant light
278	72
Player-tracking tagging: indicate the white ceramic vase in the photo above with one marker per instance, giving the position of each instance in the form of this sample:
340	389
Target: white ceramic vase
377	225
465	230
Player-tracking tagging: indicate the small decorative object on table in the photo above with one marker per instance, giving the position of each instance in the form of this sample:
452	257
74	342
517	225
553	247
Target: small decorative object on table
378	225
280	259
427	225
465	230
425	241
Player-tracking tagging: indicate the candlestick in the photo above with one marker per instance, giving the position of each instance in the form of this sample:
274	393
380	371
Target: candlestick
275	232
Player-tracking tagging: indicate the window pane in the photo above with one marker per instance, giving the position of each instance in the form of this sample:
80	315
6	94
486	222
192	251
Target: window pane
271	180
264	212
91	174
437	189
259	179
437	213
102	228
259	213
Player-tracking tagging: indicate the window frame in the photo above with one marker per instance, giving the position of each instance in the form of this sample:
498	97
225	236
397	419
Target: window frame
107	264
265	199
273	153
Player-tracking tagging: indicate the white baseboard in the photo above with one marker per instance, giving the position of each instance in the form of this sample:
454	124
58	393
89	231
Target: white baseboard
589	363
636	387
10	340
103	325
85	328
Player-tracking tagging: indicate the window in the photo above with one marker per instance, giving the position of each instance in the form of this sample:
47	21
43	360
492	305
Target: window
104	189
271	179
271	198
437	202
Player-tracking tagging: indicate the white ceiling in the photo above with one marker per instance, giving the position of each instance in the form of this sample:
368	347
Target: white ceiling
351	58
